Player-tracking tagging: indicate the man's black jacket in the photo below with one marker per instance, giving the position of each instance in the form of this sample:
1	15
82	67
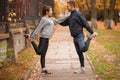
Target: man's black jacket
76	22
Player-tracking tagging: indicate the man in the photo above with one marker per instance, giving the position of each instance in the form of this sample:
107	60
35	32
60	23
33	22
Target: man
76	23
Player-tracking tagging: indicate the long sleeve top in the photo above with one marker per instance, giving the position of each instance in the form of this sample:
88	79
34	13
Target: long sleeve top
46	27
76	22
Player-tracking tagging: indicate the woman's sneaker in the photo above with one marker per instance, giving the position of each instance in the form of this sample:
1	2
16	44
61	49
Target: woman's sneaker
26	35
44	72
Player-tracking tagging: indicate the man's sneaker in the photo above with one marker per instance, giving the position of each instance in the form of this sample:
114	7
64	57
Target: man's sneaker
95	33
26	35
80	71
44	72
89	35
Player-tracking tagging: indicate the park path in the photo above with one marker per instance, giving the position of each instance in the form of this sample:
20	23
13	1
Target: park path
62	60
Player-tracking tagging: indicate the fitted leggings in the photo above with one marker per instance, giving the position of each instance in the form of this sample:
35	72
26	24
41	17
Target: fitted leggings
41	49
81	46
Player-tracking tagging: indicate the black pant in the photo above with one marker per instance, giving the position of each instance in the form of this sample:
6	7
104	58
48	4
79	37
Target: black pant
81	47
41	49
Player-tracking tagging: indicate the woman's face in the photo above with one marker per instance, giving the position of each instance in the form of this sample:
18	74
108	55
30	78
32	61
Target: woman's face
50	12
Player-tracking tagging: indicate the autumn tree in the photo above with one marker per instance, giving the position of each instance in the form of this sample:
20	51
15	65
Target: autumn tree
4	13
63	10
34	11
83	8
111	13
117	9
93	14
111	8
105	6
88	10
106	10
56	8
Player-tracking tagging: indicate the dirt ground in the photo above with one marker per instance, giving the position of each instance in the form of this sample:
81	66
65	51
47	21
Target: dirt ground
115	27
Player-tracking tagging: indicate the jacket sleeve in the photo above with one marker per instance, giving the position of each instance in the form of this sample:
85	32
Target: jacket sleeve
41	24
65	23
60	20
85	23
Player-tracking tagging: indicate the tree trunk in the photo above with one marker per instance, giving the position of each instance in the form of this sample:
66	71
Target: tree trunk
87	5
116	16
0	10
4	14
112	7
93	14
34	11
88	15
105	13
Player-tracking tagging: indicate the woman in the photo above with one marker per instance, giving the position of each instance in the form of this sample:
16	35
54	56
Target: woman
45	26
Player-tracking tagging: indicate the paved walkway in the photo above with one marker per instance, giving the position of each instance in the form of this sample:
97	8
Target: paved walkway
62	60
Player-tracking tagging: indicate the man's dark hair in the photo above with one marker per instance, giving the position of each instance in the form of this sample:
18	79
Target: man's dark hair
71	2
45	9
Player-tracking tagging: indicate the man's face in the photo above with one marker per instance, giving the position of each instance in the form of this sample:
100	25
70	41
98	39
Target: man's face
69	7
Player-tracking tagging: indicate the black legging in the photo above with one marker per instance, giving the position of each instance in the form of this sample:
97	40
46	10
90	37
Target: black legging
81	47
41	49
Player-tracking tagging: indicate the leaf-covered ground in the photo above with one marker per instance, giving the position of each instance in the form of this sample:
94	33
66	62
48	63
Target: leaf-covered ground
12	71
105	53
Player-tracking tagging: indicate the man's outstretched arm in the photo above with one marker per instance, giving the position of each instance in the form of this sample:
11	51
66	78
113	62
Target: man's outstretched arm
65	23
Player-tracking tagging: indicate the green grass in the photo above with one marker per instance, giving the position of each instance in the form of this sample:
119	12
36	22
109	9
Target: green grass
110	40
